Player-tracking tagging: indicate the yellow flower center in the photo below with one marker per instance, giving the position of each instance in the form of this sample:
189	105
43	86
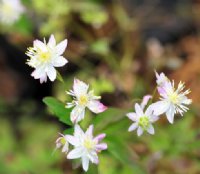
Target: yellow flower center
173	97
44	56
83	100
6	8
62	141
89	144
144	122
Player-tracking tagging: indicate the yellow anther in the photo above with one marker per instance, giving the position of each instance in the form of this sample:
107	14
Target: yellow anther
89	144
83	100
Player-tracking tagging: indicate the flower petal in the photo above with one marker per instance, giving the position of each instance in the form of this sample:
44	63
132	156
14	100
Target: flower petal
38	73
43	78
89	131
52	41
72	140
75	153
151	129
60	48
39	45
65	147
96	106
161	91
93	157
78	132
149	111
77	114
51	72
80	88
102	146
160	107
133	127
85	163
170	114
145	101
153	118
161	78
99	137
139	131
132	116
60	61
138	110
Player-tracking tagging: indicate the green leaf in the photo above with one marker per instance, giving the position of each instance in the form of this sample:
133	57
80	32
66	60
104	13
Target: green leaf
111	115
92	169
58	109
100	47
68	131
118	149
59	77
94	16
23	25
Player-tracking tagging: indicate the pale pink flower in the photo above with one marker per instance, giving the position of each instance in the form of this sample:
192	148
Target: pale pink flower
172	100
142	120
62	142
86	146
83	99
161	79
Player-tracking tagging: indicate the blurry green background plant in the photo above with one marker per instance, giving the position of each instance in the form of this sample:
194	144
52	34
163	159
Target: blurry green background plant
115	47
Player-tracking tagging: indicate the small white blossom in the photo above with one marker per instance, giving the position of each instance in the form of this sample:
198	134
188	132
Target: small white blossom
44	57
172	100
82	99
86	146
161	79
62	142
142	120
10	11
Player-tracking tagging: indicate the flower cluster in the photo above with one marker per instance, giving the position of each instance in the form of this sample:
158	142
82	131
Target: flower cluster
10	11
85	145
83	99
44	57
172	101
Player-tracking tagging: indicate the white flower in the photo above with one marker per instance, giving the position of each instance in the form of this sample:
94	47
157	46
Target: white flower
86	146
161	79
62	142
172	100
44	57
82	99
142	120
10	11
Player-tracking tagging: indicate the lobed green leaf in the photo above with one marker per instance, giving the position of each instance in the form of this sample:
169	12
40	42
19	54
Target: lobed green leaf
58	109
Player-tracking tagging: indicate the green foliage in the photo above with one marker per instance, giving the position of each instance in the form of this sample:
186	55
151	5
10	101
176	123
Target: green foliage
111	115
123	153
58	108
110	34
59	77
23	26
101	85
51	7
95	17
174	140
101	47
32	151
